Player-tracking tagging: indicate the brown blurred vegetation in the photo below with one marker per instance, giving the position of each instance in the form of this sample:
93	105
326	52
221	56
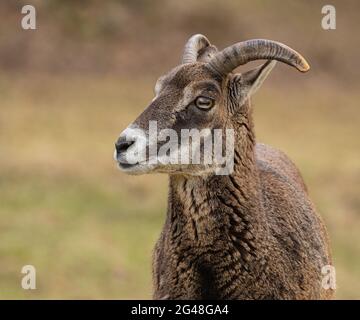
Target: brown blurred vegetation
141	36
68	88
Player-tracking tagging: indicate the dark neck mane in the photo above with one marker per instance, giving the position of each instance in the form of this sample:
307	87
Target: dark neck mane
206	209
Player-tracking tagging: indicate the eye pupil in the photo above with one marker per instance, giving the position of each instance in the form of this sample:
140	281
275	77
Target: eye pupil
204	103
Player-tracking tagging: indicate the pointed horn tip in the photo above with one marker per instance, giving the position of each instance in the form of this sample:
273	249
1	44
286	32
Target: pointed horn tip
303	66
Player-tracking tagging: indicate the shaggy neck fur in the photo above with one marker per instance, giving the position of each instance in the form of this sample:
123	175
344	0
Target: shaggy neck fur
206	211
241	236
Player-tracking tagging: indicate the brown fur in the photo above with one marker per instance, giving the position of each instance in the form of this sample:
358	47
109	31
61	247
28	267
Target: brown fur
253	234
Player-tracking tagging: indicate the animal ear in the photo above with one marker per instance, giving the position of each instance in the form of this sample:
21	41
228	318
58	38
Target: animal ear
252	80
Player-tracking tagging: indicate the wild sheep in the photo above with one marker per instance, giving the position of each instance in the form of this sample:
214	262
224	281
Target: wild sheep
251	234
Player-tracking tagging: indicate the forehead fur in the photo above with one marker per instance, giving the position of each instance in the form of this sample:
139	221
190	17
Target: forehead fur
183	75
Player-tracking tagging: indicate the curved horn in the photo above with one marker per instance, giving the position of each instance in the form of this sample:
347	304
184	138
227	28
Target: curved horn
244	52
196	43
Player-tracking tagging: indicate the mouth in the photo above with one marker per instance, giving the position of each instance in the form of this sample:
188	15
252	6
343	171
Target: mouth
123	165
134	169
127	166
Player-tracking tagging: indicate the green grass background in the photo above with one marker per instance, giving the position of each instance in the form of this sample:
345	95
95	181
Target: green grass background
68	88
89	229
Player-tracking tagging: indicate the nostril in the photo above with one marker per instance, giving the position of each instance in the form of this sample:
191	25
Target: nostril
122	145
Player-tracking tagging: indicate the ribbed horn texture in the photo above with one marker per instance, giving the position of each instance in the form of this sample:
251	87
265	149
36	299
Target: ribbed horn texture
196	43
243	52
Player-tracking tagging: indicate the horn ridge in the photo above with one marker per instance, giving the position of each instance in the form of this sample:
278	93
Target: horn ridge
243	52
195	44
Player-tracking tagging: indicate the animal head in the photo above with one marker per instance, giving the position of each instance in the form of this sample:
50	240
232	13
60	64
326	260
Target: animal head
194	100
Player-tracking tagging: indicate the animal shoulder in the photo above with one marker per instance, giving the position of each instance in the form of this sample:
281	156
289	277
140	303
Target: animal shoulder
275	164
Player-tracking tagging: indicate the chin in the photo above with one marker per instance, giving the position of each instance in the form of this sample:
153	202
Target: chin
135	169
142	168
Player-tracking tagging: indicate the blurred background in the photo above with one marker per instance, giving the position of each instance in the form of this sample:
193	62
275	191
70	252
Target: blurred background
68	88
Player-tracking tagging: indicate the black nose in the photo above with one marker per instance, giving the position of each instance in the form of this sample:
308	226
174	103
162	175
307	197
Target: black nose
122	145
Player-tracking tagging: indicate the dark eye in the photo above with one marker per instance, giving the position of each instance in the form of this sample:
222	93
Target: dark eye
204	103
